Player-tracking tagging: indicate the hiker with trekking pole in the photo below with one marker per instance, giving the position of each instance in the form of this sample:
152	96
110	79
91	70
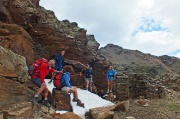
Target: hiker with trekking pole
88	74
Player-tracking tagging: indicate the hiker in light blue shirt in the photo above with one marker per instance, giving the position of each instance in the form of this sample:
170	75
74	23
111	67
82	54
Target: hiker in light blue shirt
110	77
66	85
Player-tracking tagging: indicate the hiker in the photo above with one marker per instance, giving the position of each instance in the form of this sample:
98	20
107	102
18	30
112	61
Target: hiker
110	76
66	86
59	63
88	76
37	78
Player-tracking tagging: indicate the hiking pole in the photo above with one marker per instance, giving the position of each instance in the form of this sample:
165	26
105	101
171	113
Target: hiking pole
92	84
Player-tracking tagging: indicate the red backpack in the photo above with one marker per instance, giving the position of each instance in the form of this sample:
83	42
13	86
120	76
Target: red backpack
35	65
57	80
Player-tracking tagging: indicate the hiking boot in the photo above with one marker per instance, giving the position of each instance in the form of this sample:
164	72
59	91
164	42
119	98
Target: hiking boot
35	100
46	103
85	88
74	100
110	91
79	103
107	91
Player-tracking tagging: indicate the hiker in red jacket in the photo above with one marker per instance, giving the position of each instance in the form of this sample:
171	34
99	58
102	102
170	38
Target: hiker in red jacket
38	78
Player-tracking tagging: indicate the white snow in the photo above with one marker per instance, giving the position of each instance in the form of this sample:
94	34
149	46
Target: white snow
89	99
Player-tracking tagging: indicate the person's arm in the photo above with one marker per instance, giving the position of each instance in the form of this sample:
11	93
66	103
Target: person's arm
83	71
43	68
67	81
52	70
62	62
107	74
115	72
55	58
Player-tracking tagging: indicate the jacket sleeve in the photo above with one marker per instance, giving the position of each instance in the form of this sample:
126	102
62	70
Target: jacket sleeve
55	58
67	81
115	72
83	71
91	72
62	62
51	70
107	74
42	72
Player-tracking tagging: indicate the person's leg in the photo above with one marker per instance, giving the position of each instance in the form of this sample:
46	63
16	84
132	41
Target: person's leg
74	91
87	84
53	75
40	90
90	84
45	93
41	86
108	86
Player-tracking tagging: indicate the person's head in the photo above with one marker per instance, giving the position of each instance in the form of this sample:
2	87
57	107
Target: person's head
110	67
51	63
87	66
68	69
62	52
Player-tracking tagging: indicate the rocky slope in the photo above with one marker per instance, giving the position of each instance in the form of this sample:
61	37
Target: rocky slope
135	61
28	32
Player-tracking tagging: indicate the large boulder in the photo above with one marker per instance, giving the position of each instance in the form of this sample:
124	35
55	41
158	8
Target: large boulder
14	95
101	113
13	65
62	100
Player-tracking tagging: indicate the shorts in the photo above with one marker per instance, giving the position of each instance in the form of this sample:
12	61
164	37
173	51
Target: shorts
88	79
110	79
36	81
65	89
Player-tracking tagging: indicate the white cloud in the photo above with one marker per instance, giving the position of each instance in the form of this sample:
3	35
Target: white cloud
115	21
177	55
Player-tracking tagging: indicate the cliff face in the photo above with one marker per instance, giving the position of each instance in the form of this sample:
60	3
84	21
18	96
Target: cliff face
42	32
28	32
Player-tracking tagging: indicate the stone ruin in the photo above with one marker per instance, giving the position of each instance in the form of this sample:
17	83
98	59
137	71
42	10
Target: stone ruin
136	85
121	87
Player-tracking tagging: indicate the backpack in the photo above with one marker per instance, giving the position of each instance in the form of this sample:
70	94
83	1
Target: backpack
35	65
57	80
88	73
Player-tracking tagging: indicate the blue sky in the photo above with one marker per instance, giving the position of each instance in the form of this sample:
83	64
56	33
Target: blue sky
151	26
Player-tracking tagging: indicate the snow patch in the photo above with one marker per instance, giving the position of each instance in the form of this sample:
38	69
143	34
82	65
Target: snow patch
89	99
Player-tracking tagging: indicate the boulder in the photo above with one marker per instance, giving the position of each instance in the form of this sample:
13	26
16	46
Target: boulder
101	113
62	100
13	65
67	115
22	110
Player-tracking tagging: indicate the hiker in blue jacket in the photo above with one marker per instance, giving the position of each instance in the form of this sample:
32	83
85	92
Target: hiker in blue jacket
110	76
88	76
66	86
59	63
